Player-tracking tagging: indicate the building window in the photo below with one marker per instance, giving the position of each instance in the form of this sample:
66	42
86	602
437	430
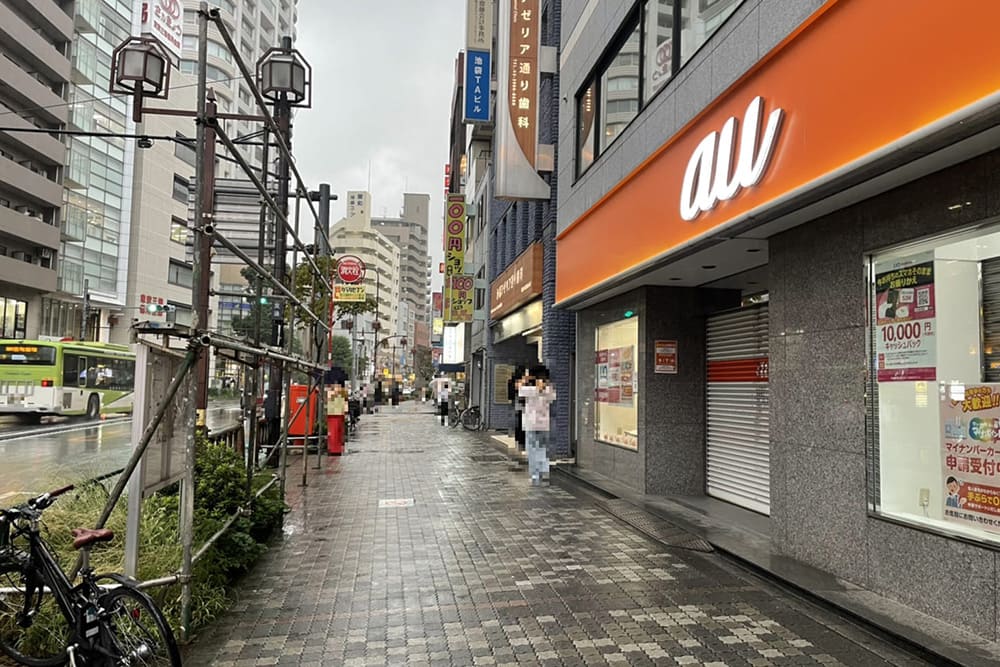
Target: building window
616	383
180	188
654	43
13	318
180	274
178	230
935	384
184	149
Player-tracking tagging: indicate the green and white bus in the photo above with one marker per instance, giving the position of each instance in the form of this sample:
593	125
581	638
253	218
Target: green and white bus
40	377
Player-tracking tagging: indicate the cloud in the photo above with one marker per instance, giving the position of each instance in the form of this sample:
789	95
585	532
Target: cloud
383	77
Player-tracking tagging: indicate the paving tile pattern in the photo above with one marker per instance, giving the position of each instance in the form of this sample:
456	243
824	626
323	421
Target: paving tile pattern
484	569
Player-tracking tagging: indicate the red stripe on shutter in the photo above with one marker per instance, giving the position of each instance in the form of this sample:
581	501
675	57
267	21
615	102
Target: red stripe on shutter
738	370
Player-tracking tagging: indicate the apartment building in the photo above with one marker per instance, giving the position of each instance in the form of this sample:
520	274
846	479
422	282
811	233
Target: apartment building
34	84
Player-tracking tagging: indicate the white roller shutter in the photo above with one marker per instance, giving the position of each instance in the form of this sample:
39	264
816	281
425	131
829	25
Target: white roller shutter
738	467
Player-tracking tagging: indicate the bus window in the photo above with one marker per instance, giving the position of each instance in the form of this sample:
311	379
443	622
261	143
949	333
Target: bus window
71	370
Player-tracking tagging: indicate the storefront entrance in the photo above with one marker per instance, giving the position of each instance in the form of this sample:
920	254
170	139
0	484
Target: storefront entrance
738	430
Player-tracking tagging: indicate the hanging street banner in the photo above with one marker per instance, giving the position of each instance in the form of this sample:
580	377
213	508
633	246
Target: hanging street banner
970	454
459	291
349	293
477	87
905	324
454	236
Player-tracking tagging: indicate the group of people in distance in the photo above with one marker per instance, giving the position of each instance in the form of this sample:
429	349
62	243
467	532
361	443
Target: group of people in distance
532	395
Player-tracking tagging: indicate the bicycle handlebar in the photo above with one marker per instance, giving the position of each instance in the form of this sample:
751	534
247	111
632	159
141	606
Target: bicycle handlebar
44	500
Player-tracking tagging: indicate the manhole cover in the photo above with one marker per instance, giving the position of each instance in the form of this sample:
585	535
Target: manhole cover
487	458
659	529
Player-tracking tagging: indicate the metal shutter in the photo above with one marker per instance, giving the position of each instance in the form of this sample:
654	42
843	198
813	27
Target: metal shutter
738	467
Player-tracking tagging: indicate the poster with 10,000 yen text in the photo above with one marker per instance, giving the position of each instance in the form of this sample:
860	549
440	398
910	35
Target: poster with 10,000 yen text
905	325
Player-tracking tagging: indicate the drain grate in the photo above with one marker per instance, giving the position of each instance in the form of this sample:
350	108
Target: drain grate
487	458
659	529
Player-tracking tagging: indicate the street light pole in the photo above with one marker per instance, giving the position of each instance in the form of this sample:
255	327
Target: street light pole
282	116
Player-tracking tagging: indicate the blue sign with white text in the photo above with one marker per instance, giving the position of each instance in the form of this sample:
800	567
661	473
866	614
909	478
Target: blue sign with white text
477	86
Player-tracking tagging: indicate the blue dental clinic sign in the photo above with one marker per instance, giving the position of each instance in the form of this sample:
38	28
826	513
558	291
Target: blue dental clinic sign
477	86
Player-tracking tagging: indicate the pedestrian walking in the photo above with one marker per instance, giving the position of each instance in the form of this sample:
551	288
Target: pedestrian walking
444	393
538	396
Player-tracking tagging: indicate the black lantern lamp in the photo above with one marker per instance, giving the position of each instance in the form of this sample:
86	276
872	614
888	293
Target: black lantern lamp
283	74
140	66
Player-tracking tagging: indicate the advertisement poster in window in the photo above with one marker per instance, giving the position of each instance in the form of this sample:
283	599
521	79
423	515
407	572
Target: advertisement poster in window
615	376
970	454
905	326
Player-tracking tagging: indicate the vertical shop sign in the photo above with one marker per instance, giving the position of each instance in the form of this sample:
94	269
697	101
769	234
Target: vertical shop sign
454	236
458	298
905	325
666	357
519	44
970	454
478	45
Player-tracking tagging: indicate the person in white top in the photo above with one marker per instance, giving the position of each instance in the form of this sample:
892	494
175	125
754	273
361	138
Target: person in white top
444	392
538	397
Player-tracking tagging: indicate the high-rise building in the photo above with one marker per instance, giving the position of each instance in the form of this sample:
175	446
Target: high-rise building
34	80
356	235
409	233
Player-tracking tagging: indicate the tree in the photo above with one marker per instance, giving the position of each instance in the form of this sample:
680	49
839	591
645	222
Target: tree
423	365
310	291
340	353
369	305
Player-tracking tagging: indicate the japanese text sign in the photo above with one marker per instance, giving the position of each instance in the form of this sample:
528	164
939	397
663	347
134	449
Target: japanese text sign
458	298
970	454
905	336
479	25
666	357
164	20
477	86
349	293
454	236
519	283
522	73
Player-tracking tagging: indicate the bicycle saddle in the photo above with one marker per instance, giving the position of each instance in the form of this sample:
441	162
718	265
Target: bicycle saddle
86	536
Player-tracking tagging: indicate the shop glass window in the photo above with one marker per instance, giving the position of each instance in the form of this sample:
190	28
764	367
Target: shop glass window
621	104
13	318
616	383
585	113
658	45
699	21
933	426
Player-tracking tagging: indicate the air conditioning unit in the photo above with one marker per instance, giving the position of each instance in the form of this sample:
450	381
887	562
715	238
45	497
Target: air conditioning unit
45	253
17	254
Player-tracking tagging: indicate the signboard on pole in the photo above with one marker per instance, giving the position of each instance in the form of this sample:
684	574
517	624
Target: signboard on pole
351	269
349	293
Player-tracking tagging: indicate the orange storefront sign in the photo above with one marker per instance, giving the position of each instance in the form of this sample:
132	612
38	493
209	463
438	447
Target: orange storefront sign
856	79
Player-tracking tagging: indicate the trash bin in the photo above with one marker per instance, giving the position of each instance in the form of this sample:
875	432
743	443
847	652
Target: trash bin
335	421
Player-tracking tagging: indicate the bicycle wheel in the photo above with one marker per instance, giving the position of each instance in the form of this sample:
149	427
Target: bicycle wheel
135	631
472	419
40	640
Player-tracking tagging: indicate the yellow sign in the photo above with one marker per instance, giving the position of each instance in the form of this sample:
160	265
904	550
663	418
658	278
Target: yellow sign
438	326
349	293
454	236
459	291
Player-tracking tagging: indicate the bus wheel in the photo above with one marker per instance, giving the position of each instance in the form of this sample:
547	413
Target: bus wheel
93	407
30	418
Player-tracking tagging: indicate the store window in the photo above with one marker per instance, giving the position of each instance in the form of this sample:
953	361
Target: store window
616	383
934	418
13	318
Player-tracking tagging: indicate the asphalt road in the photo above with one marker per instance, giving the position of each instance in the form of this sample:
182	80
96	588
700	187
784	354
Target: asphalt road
40	458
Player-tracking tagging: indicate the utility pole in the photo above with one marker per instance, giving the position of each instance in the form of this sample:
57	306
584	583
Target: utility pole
282	116
203	246
323	197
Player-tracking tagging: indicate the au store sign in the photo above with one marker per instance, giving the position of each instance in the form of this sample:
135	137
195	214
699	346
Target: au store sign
970	454
905	322
710	176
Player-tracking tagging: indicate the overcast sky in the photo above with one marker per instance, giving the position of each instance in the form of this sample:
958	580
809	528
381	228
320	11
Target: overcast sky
383	76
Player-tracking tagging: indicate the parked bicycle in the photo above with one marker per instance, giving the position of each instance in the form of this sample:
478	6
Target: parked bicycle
45	620
469	417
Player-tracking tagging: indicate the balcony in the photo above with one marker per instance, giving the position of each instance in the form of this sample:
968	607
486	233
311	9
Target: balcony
33	231
25	43
32	276
48	16
43	147
28	184
23	88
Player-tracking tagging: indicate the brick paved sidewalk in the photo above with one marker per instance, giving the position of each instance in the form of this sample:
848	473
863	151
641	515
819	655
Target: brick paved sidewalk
483	569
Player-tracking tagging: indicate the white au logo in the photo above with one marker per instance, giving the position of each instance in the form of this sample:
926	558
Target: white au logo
710	177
